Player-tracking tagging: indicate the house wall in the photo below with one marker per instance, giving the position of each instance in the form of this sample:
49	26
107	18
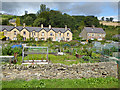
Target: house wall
12	36
59	35
70	35
96	35
45	34
38	35
26	35
49	36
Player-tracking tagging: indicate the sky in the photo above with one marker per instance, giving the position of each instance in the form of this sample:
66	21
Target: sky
99	9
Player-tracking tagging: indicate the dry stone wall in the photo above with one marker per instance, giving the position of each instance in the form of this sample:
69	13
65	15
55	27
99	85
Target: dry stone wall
59	71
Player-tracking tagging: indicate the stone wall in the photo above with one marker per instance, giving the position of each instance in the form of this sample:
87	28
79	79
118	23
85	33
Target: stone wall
59	71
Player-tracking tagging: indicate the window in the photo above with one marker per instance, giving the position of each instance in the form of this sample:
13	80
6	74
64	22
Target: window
42	39
103	35
51	34
99	34
15	33
92	34
5	32
67	34
36	39
7	38
67	39
33	33
24	33
43	34
51	39
24	38
88	34
14	38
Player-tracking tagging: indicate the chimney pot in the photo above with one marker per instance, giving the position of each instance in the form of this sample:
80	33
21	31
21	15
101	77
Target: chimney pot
23	24
49	26
15	25
41	25
65	27
93	26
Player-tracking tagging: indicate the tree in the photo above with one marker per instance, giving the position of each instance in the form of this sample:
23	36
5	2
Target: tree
28	20
19	37
17	21
7	50
39	21
5	22
18	51
82	24
111	19
91	20
26	12
107	19
43	8
102	18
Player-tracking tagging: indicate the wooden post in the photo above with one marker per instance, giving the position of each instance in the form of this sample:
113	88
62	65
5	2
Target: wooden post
10	60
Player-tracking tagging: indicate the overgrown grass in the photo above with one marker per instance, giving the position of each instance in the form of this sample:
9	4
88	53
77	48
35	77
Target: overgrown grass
108	82
56	59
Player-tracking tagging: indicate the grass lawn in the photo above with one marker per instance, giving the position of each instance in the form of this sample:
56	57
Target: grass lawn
108	82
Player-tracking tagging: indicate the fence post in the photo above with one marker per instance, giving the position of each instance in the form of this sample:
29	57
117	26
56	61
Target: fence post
10	60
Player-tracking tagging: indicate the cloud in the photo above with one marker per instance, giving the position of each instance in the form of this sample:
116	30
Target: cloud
72	8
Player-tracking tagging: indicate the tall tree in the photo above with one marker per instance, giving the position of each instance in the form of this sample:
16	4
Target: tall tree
107	19
43	8
28	20
19	37
5	21
102	18
39	21
111	19
17	21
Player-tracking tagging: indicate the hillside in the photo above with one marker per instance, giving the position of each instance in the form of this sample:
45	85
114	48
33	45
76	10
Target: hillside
7	16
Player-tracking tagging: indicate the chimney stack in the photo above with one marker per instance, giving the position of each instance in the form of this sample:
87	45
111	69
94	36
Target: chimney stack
93	26
41	25
49	26
15	25
23	24
65	27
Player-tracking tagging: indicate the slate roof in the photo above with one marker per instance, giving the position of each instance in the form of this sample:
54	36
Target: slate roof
30	29
12	20
94	30
116	36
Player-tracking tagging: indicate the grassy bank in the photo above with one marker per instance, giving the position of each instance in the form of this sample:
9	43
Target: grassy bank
108	82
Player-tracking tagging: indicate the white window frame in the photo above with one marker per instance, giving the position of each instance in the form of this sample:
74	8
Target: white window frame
68	39
51	34
24	32
89	35
42	38
36	39
5	32
67	34
15	33
43	34
15	38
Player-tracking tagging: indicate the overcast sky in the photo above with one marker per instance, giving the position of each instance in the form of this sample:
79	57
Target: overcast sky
99	9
